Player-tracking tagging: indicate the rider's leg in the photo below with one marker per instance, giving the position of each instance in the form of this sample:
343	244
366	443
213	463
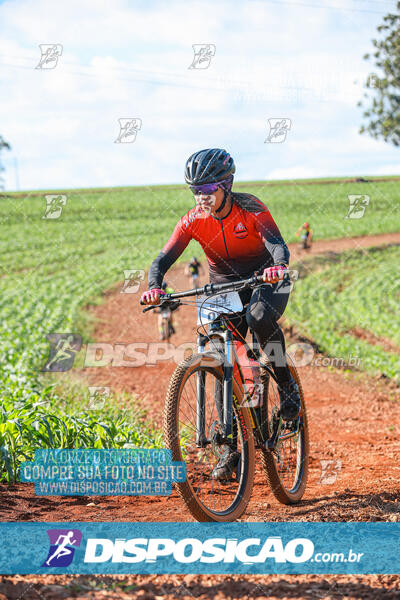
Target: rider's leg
267	304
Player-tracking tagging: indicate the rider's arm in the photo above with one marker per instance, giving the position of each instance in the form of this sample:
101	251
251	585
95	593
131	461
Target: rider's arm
271	236
176	244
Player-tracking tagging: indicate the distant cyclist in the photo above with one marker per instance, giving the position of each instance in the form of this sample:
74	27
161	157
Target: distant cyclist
165	316
239	238
192	270
306	235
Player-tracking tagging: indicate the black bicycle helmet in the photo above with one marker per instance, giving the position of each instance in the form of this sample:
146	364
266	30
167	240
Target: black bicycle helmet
209	166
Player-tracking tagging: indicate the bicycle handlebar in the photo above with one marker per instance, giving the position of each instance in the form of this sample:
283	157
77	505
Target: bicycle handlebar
213	288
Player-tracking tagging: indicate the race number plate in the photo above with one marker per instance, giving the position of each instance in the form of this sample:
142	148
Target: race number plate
208	309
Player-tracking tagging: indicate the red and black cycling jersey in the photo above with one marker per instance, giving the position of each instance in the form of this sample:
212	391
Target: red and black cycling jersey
245	241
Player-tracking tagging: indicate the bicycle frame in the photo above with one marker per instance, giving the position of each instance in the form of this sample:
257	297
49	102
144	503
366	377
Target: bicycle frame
231	370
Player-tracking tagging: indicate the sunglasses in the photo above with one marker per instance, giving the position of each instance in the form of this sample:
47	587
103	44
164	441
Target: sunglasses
204	190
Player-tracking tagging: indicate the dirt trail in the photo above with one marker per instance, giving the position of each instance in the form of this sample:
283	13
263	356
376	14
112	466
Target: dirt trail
354	422
338	245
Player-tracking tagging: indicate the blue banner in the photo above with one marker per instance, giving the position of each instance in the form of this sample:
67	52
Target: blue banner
291	548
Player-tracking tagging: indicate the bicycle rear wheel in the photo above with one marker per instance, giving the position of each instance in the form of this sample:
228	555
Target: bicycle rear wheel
207	499
286	466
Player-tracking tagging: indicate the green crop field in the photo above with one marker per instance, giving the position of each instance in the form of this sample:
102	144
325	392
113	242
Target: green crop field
349	306
50	269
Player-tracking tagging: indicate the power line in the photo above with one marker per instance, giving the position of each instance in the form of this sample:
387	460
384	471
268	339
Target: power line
280	91
229	86
124	69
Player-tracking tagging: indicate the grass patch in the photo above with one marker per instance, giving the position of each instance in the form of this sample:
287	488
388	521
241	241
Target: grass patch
356	289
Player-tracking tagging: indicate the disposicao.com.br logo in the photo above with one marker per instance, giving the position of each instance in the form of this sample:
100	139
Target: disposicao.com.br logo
211	551
188	550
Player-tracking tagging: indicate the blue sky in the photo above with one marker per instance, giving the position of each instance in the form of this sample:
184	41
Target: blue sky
295	59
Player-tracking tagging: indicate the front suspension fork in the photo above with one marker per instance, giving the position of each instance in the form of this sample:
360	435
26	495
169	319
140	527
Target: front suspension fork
228	387
226	418
201	439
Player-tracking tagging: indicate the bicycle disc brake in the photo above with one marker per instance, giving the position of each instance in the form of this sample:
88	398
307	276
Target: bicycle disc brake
216	439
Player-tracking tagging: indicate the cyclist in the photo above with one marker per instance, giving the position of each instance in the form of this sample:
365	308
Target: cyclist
163	312
192	270
306	234
239	238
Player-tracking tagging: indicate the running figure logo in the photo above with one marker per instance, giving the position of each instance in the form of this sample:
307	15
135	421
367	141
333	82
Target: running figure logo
358	205
50	54
128	129
203	54
98	396
285	286
62	547
63	347
54	205
330	470
132	279
278	129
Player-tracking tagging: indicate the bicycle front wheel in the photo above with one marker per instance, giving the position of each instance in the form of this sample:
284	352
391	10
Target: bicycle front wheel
192	430
286	466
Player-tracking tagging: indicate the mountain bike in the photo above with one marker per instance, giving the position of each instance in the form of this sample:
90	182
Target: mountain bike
210	403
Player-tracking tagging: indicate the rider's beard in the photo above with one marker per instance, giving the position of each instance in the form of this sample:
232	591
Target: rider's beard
206	203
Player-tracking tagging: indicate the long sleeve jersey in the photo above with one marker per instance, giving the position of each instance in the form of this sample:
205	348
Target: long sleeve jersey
244	242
